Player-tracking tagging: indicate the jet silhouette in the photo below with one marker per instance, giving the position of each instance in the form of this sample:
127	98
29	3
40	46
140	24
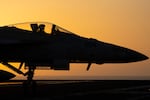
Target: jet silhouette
38	44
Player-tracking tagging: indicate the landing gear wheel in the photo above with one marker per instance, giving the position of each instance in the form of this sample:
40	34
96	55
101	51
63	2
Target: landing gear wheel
30	85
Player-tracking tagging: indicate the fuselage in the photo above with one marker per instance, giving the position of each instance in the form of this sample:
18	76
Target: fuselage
43	49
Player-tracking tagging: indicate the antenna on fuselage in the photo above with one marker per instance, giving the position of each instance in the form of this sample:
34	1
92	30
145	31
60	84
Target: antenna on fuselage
88	67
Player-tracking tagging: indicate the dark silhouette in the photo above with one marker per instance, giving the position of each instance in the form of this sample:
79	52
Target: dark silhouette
34	27
38	29
4	75
53	29
41	28
56	52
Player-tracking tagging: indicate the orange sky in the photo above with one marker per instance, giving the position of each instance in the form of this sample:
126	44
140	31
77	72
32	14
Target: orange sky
121	22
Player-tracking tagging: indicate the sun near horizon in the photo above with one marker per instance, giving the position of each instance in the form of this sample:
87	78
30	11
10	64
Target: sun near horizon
121	22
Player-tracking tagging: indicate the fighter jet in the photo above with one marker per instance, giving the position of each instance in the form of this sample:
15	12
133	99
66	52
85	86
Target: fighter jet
43	44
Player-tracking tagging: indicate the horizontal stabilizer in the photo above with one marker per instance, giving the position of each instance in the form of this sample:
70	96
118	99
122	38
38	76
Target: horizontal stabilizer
4	75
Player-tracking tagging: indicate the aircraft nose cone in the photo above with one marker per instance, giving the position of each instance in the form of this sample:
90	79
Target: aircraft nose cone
136	56
139	56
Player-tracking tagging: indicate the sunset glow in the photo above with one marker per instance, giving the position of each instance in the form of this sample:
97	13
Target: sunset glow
121	22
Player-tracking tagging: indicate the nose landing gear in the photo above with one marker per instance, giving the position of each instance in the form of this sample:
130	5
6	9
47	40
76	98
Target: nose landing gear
29	85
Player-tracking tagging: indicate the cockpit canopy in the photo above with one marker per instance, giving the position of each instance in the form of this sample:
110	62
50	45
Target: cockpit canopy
46	27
